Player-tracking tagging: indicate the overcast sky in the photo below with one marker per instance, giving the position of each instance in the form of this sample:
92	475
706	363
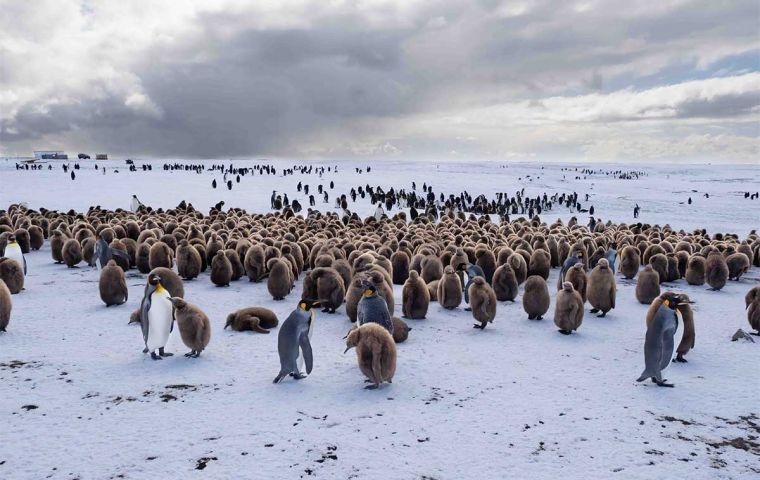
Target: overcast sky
664	80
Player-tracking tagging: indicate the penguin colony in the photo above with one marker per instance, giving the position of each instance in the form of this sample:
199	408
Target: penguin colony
457	260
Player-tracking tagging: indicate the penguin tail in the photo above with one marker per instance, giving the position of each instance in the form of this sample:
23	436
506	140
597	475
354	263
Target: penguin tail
280	376
646	374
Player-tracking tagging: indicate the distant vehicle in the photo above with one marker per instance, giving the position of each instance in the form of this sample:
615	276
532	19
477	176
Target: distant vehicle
101	156
83	156
50	155
130	162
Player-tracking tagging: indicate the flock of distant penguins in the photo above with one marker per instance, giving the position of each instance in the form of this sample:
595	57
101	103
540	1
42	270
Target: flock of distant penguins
355	262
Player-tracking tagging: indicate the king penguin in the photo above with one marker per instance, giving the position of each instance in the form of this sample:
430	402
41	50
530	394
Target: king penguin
13	250
104	253
472	272
294	342
658	345
156	317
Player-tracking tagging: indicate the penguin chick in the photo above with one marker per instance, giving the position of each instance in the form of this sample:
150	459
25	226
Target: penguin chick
330	288
716	270
5	306
113	285
536	297
482	302
194	326
12	273
647	285
576	275
189	261
400	330
505	283
449	289
752	301
375	353
415	297
630	260
279	278
601	288
738	264
72	253
257	319
695	270
568	311
221	269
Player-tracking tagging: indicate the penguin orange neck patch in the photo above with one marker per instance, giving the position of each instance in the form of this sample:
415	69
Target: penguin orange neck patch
160	288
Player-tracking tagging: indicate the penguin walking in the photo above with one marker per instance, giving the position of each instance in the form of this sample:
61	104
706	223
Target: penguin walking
658	345
294	342
13	251
156	317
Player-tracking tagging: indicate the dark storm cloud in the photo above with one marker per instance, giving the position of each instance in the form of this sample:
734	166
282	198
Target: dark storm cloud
245	79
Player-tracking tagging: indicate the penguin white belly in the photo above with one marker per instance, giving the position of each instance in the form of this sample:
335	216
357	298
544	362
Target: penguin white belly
159	320
14	251
135	205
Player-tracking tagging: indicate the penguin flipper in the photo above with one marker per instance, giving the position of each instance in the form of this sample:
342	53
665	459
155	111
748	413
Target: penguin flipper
24	264
667	350
306	349
144	316
118	253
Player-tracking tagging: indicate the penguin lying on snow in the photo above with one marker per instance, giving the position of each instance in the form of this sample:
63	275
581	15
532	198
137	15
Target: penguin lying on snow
658	346
156	317
293	342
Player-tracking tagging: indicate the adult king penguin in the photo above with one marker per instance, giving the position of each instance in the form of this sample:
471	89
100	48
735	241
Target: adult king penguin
156	317
658	345
294	342
13	251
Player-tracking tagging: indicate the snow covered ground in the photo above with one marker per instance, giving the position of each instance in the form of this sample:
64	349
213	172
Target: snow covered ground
79	400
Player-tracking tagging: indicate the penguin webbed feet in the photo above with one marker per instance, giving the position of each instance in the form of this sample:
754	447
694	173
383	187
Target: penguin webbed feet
602	315
482	326
679	358
154	356
662	383
468	309
298	375
594	310
565	332
374	386
192	354
162	353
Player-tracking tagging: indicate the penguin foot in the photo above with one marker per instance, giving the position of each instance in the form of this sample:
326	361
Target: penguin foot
757	334
680	359
145	350
602	315
298	376
192	354
594	310
374	386
163	353
540	317
154	356
663	384
468	309
565	332
326	310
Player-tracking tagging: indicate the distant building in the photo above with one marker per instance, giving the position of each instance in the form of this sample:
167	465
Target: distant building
50	155
101	156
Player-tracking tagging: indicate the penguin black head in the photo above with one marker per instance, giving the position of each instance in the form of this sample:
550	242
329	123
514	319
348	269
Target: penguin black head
369	290
11	238
154	279
306	305
674	300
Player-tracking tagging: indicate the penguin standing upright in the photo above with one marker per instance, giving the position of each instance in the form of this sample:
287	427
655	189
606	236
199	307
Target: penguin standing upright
472	271
373	308
294	342
156	317
104	253
658	345
13	251
135	204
